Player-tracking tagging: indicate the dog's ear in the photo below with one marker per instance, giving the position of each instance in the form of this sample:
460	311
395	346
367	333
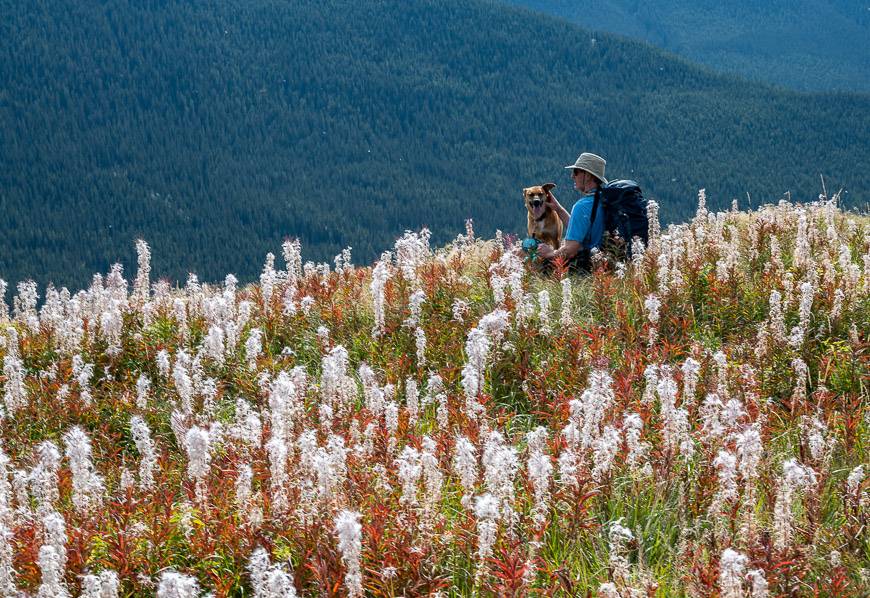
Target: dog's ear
525	191
548	186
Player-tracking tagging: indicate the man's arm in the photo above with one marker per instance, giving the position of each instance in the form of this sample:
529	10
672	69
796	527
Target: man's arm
565	252
561	212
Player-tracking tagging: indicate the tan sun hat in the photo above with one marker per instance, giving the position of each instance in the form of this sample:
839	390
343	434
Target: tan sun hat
592	164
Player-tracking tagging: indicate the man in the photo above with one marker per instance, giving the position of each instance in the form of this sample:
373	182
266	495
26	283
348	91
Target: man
588	175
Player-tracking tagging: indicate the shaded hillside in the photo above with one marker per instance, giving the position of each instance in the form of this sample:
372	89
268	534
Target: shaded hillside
216	130
804	44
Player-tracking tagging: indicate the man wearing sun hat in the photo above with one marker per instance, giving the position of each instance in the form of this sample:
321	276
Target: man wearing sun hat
588	175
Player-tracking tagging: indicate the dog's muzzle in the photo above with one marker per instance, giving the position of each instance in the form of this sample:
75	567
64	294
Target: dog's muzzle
537	203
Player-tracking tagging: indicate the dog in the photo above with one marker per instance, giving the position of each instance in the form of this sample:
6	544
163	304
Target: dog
544	224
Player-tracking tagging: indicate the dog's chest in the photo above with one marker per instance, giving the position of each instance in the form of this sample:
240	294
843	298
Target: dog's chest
538	226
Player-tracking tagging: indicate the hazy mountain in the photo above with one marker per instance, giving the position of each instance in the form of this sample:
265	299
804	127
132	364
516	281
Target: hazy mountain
817	45
215	130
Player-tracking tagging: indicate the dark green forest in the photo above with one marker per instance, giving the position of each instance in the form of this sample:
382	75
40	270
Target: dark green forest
812	45
214	130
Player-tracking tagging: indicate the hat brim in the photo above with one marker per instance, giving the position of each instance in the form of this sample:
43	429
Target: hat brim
573	166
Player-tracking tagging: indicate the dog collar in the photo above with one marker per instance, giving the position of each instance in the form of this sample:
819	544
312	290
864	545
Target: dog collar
541	218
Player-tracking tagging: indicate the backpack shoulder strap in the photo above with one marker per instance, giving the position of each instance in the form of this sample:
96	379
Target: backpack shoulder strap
595	203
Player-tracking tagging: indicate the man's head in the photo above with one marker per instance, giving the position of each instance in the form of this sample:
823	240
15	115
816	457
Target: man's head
583	181
588	172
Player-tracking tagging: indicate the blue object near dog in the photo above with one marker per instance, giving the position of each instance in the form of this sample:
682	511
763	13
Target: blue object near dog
530	246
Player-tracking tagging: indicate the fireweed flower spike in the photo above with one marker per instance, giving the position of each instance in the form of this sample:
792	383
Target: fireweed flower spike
43	478
15	391
732	566
177	585
268	580
349	531
487	513
619	536
104	585
795	477
540	471
197	443
142	284
87	484
147	454
380	276
7	520
566	319
465	466
4	309
420	343
52	567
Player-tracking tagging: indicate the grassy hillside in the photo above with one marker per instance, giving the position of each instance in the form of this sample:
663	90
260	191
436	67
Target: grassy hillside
216	130
816	45
693	423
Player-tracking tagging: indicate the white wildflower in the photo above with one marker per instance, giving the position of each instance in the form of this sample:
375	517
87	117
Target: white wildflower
595	400
540	470
433	479
87	485
758	583
486	511
105	585
619	536
253	347
605	449
853	482
731	573
142	284
415	306
566	319
409	470
690	370
637	450
162	360
795	477
198	446
412	401
380	276
4	309
43	478
500	463
749	453
544	311
177	585
349	531
420	343
799	395
143	385
148	456
460	310
15	391
726	490
465	466
51	565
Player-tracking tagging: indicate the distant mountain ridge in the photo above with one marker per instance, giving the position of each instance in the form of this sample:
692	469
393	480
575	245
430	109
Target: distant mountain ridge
817	45
215	131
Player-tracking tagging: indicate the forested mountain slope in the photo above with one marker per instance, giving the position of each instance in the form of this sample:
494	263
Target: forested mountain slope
214	130
804	44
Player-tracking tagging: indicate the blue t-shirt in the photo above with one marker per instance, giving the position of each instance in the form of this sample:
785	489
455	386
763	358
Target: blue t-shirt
578	224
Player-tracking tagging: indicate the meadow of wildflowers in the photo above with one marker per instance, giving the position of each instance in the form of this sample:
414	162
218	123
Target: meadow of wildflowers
447	423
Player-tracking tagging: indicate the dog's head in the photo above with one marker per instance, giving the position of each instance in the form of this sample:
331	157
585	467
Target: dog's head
535	198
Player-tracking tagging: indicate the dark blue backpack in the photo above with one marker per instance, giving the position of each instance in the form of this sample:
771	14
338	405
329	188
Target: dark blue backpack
624	209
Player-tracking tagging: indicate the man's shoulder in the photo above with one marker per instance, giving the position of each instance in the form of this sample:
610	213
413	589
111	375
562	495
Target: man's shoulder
585	202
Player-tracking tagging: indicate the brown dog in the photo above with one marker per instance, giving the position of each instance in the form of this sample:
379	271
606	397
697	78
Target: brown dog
544	224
